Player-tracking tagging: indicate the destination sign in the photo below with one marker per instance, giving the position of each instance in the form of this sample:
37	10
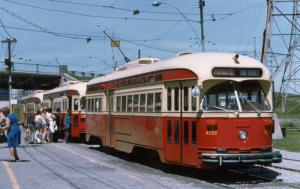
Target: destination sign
237	72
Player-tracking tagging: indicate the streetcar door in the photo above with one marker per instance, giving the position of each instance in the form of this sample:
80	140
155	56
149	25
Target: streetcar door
75	123
109	125
189	103
172	123
180	126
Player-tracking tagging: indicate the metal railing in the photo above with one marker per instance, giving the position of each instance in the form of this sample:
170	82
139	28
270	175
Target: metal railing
85	74
32	68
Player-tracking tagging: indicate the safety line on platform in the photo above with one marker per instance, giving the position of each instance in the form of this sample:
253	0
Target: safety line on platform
11	175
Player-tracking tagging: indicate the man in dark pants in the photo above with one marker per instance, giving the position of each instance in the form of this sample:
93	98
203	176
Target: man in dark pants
57	121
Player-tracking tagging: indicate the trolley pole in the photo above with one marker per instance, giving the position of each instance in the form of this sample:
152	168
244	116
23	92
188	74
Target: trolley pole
201	5
8	66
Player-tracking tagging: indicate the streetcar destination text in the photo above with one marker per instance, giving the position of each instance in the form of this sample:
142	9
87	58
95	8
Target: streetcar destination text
237	72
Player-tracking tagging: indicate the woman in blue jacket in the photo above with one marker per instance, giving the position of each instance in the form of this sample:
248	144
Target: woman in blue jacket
13	132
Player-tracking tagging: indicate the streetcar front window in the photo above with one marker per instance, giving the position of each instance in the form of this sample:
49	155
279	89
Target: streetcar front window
220	98
252	97
226	96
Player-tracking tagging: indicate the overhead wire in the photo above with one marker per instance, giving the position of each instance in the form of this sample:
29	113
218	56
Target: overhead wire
130	10
63	34
5	29
37	26
96	16
111	6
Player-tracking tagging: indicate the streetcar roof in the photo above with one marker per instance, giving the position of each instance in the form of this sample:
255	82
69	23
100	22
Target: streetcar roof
80	87
199	63
38	95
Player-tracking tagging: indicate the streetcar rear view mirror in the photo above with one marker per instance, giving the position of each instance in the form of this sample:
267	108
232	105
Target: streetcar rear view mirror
195	91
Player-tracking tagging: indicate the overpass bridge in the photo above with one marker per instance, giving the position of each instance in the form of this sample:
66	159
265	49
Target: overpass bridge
29	76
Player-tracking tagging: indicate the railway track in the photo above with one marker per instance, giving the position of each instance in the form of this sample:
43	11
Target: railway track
130	173
265	178
296	160
73	183
287	168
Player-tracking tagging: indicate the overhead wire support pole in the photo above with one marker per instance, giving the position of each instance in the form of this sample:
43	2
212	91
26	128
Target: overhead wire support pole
266	34
201	5
126	58
8	66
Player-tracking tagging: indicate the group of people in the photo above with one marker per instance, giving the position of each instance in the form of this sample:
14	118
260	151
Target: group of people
44	125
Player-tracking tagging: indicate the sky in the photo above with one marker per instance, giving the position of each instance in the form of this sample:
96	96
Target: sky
70	32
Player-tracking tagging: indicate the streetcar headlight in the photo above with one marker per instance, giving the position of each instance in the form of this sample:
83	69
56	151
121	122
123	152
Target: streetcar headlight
243	134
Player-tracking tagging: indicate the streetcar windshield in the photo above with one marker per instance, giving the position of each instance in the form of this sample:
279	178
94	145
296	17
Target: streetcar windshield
228	95
252	97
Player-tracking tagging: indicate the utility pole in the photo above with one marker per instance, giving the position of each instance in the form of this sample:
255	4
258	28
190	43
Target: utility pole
266	34
8	65
201	5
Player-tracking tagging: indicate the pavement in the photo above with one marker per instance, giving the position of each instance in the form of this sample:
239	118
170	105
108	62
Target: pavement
76	166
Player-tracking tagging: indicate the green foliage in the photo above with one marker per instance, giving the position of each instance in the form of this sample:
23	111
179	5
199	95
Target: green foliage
292	106
291	142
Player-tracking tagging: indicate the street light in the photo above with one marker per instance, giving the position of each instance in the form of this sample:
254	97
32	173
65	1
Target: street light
157	3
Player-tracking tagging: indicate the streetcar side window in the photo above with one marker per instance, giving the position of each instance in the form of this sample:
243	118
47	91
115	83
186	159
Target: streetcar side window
176	132
185	98
118	104
65	105
150	102
186	132
96	104
30	107
194	102
100	105
169	99
89	105
176	98
169	132
194	132
93	105
124	103
157	102
136	103
83	103
142	102
76	104
129	103
56	105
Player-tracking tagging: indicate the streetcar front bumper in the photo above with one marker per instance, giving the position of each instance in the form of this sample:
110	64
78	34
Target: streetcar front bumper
242	158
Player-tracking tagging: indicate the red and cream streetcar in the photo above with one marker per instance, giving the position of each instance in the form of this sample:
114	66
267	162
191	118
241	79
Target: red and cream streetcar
199	110
69	96
31	104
